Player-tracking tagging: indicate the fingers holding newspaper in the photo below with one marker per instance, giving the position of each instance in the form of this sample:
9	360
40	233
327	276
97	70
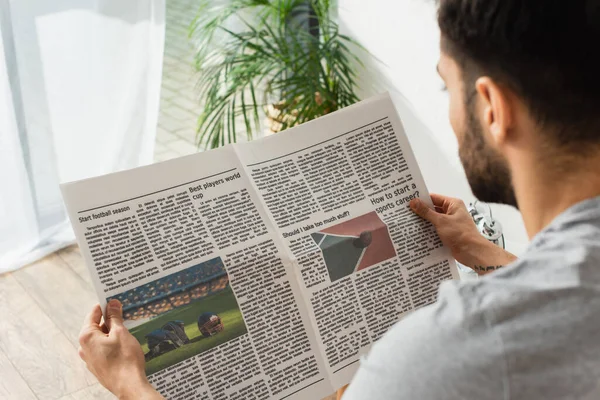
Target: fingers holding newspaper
113	355
457	231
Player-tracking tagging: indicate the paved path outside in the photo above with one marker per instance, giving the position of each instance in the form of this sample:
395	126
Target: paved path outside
179	108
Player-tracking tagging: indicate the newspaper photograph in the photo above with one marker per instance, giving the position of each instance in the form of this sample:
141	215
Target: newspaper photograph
182	314
354	245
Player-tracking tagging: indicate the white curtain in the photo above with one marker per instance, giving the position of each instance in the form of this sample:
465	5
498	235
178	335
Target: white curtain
79	97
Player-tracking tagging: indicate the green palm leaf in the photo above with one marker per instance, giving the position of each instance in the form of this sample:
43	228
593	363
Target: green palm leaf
272	61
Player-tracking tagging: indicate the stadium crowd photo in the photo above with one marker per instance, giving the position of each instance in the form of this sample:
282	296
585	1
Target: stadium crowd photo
183	314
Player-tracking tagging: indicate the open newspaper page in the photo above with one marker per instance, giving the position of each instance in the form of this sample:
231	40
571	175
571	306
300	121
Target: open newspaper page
338	191
187	248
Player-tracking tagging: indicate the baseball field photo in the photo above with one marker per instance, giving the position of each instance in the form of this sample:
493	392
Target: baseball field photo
183	314
354	245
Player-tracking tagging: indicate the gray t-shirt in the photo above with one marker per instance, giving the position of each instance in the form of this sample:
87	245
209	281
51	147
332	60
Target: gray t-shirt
528	331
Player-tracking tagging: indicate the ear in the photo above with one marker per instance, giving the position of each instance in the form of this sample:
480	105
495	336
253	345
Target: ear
497	112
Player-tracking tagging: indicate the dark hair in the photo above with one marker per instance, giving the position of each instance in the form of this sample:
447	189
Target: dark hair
546	51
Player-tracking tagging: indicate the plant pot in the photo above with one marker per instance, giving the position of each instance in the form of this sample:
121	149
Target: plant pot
277	116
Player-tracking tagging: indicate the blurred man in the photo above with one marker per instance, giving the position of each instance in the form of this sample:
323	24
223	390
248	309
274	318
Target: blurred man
525	107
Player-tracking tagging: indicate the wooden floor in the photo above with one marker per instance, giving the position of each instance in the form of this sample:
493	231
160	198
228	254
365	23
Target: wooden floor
41	310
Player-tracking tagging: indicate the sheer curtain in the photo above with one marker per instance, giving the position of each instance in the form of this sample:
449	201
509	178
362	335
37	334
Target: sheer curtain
79	97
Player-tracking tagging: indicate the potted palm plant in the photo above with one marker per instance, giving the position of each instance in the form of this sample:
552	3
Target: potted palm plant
283	59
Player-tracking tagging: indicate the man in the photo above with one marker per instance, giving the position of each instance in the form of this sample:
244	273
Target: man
525	107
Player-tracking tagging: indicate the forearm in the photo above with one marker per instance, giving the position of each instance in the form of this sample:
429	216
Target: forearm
485	257
141	392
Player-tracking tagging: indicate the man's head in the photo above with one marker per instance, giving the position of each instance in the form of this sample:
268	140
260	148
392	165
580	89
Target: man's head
523	78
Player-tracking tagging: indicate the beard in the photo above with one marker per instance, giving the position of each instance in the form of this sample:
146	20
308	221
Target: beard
487	171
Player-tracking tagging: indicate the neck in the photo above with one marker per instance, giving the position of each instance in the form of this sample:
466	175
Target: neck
544	191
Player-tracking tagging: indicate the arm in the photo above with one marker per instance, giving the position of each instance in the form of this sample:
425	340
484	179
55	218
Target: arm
114	356
455	227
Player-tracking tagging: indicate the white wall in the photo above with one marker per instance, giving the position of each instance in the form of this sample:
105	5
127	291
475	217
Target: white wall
402	37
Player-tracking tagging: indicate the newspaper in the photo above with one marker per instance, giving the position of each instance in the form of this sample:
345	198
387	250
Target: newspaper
264	270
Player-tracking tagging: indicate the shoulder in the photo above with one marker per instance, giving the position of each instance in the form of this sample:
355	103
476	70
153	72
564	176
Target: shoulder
446	350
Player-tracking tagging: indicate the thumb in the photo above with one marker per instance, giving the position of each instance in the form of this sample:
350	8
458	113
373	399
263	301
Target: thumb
114	314
423	211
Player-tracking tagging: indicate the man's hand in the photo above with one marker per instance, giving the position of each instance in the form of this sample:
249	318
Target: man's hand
457	231
113	355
